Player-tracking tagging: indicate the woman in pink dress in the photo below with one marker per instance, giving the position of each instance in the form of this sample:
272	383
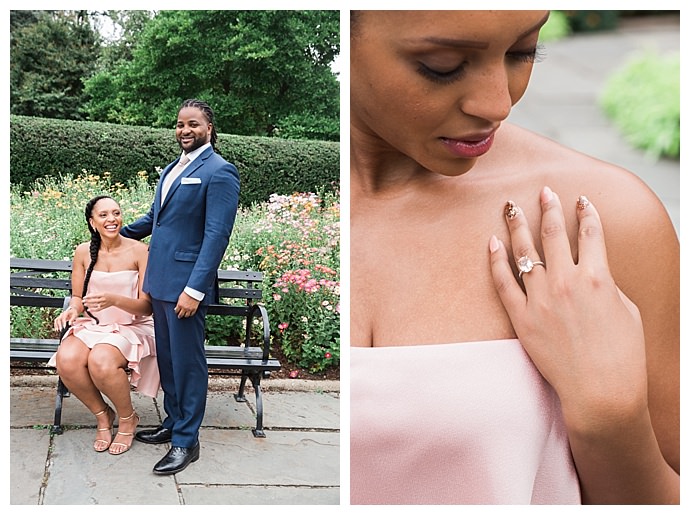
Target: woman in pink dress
110	327
501	351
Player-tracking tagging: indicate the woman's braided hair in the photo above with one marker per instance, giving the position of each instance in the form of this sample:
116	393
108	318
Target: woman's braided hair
94	246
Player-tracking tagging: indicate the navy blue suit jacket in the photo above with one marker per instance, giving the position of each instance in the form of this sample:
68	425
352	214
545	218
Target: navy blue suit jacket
191	229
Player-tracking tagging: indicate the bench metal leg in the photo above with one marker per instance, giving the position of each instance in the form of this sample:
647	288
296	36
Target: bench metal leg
62	392
239	396
255	378
259	431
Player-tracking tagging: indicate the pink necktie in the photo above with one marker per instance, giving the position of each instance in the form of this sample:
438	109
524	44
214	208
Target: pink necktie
172	175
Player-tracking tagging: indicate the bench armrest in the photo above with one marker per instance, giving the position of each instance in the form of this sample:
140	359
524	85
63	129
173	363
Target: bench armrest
65	306
258	311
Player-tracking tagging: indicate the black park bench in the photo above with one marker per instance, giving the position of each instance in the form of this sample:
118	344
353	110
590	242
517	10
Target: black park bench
41	283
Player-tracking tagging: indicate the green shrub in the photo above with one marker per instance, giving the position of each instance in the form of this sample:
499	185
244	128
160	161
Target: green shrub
642	99
42	147
32	323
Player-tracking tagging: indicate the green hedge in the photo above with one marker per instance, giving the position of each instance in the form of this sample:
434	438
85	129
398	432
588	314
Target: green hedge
42	147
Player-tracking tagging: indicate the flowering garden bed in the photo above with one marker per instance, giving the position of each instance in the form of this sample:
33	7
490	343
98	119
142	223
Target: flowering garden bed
293	239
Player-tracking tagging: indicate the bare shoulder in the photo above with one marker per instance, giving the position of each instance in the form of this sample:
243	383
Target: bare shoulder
138	248
639	234
133	244
82	248
625	203
82	254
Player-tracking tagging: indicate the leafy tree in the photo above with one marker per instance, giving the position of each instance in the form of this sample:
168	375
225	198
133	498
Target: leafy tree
50	52
264	72
116	54
119	41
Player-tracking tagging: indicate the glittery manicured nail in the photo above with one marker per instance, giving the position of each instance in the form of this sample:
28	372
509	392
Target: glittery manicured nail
511	210
582	202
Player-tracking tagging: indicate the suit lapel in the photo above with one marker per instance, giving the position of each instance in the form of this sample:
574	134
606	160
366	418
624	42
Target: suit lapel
191	168
176	183
159	190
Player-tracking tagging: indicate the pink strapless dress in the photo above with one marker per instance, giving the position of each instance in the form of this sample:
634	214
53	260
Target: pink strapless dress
467	423
132	334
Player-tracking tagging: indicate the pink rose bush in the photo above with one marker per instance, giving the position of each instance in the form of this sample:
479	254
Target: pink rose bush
304	281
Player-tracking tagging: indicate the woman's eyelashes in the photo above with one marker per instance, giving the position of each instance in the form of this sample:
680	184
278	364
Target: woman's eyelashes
441	77
531	56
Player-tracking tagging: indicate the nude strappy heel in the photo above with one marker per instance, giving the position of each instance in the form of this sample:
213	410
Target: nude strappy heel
96	446
117	448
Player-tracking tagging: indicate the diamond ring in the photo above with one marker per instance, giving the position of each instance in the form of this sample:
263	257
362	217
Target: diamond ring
526	265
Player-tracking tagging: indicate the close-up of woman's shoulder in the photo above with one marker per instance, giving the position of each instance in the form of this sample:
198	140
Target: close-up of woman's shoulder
625	202
82	249
139	245
640	237
139	248
135	244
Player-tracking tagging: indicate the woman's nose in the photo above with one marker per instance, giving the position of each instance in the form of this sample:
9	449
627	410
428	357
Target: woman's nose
489	96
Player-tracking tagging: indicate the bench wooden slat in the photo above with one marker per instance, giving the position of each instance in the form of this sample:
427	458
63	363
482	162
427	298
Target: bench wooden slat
232	356
31	349
34	343
251	364
40	282
36	301
239	293
223	309
49	265
233	352
240	276
31	355
28	349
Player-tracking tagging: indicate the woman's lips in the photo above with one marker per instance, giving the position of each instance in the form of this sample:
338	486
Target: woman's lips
470	147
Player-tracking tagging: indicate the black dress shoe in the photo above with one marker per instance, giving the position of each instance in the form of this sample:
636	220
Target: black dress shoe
176	460
158	435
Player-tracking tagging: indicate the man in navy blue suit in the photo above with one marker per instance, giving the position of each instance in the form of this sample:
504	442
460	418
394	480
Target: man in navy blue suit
190	222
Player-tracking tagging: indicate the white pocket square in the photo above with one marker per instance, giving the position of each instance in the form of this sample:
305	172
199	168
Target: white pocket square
190	180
